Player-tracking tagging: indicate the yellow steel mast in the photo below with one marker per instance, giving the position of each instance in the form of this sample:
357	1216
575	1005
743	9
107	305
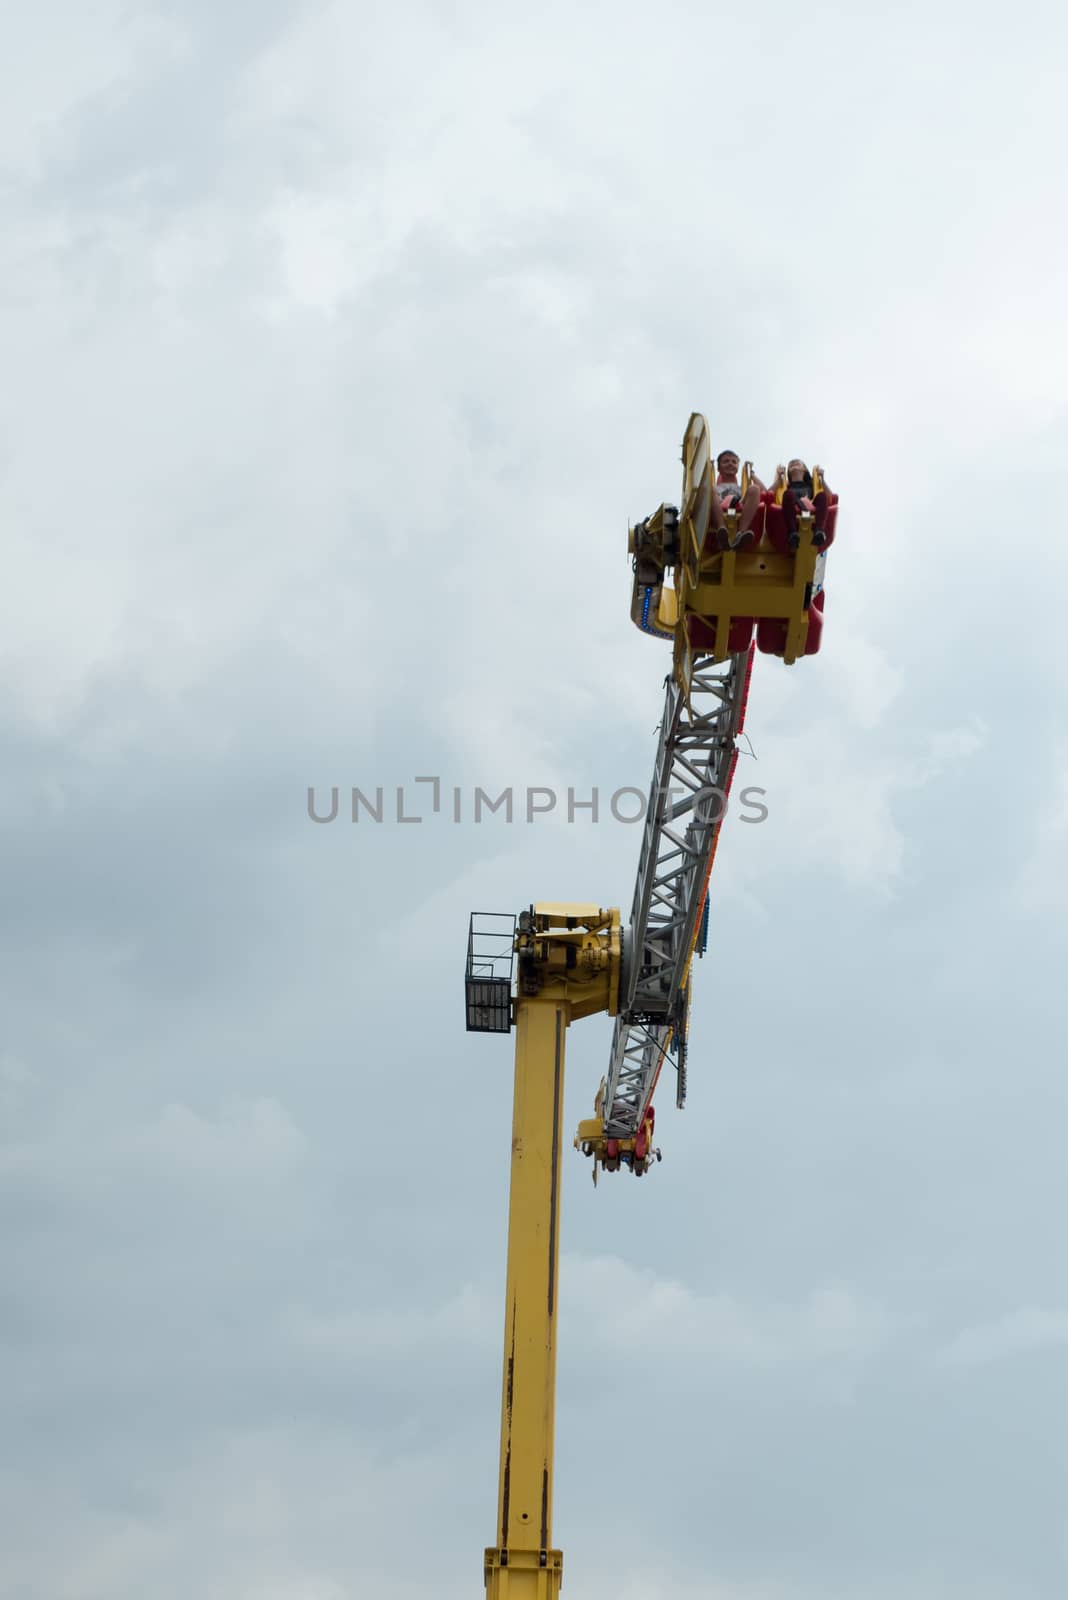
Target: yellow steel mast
568	967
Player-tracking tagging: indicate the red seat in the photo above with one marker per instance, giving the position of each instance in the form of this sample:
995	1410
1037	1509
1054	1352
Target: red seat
702	635
771	632
775	527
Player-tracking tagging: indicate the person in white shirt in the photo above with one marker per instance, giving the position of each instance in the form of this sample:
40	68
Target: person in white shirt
728	497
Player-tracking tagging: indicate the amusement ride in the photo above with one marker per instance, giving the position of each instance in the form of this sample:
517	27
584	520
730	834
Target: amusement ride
746	568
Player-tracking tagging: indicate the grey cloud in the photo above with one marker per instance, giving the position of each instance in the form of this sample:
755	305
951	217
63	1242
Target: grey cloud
340	352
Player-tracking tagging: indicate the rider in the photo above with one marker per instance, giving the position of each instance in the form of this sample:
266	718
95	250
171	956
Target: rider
796	482
728	497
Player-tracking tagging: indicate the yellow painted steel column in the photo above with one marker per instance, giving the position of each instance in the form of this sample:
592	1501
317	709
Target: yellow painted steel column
523	1565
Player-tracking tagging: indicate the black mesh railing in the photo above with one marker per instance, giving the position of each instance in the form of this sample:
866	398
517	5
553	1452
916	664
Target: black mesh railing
488	979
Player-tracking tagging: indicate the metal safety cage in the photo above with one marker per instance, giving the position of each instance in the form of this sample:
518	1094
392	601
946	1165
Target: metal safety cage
490	967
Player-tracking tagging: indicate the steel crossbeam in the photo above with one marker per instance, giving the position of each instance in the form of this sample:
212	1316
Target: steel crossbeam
638	1049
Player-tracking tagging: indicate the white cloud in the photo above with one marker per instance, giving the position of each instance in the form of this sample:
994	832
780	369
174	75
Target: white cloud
471	1317
1018	1333
255	1138
105	49
245	1140
328	252
289	1514
833	783
621	1307
15	1076
1042	881
651	1583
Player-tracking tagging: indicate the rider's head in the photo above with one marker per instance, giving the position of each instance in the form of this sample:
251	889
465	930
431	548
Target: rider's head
727	464
798	473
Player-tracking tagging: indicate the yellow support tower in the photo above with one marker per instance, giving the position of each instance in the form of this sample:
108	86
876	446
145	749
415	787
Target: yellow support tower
568	967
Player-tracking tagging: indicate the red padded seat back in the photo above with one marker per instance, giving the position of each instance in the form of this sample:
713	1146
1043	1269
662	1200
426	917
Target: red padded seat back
702	635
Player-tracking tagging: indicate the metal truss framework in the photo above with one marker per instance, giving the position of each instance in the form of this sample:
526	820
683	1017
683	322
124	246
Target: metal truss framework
691	779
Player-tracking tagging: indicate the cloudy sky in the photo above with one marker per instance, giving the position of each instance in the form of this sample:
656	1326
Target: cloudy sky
340	343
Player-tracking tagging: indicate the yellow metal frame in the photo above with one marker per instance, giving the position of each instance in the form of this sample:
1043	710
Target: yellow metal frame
568	967
749	583
715	585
